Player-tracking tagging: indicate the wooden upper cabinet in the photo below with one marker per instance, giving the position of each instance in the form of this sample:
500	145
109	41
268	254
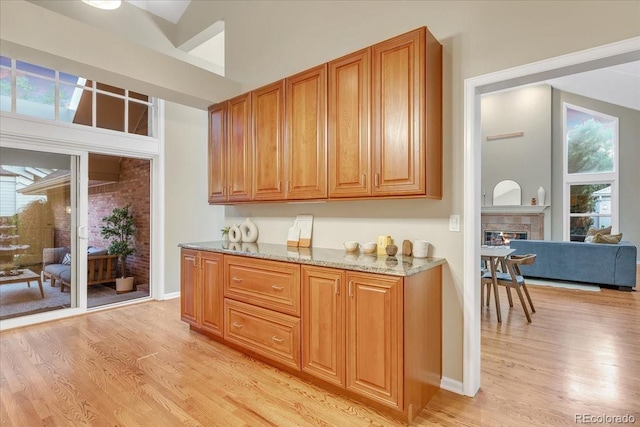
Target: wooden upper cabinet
305	136
366	125
398	115
217	158
268	142
348	126
239	148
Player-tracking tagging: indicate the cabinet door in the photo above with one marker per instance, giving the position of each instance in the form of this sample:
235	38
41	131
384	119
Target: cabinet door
323	329
398	111
305	139
239	149
217	165
211	281
268	142
348	114
374	337
189	288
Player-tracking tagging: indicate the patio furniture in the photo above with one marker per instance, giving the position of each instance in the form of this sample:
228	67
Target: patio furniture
101	267
25	275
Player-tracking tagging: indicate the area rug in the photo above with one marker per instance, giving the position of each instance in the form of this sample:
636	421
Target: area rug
17	299
561	284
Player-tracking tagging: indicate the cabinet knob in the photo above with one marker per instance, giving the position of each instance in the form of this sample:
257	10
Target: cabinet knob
276	287
278	340
237	325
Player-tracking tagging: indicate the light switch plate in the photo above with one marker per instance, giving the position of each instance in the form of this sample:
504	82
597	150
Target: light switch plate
454	222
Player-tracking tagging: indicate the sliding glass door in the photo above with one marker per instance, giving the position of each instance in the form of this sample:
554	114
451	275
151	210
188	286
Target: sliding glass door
40	233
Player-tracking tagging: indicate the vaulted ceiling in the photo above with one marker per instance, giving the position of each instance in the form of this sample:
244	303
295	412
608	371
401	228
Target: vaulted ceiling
175	27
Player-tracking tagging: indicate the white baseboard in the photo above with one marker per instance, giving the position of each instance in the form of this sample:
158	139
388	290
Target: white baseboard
171	295
451	385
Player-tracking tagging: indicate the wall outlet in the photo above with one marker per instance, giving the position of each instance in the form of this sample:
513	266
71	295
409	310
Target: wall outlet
454	222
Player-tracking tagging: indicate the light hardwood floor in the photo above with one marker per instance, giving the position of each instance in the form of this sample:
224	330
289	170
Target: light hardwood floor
140	365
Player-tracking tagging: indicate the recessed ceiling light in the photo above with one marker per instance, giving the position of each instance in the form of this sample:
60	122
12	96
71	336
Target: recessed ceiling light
104	4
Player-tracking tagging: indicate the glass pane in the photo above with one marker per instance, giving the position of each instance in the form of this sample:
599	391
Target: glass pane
590	198
117	182
35	233
109	112
4	61
579	226
590	142
70	78
138	118
35	69
139	96
112	89
75	105
5	89
35	96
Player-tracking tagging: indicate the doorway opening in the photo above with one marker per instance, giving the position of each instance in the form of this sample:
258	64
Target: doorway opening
604	56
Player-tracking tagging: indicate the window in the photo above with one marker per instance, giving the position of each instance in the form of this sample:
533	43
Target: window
590	171
41	92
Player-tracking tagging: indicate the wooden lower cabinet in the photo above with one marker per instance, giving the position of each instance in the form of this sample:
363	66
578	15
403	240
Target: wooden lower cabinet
376	338
323	324
201	290
267	332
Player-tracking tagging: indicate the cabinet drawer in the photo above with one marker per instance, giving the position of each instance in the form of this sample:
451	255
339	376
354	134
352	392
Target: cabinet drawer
266	332
269	284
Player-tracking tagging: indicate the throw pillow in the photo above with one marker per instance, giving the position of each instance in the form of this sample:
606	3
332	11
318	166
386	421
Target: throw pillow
607	238
67	259
594	231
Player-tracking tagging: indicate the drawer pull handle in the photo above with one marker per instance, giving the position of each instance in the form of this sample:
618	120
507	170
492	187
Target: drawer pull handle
277	288
351	288
336	287
278	340
235	279
237	325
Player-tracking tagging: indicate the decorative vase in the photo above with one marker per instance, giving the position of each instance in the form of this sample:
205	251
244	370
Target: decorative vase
234	234
249	231
541	194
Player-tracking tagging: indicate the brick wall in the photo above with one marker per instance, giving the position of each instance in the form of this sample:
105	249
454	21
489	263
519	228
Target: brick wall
133	188
59	199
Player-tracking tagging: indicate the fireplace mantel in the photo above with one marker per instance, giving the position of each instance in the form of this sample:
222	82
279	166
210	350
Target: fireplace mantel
514	209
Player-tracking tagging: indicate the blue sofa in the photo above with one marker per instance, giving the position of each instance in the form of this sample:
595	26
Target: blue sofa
597	263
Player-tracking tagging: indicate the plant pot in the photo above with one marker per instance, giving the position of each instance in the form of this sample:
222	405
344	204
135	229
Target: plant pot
124	284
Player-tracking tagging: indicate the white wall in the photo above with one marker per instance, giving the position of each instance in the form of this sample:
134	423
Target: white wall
526	159
268	40
188	216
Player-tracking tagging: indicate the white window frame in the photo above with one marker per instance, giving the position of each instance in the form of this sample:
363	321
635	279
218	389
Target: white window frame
80	85
588	178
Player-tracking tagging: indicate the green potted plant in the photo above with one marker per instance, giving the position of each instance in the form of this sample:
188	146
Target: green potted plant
225	233
119	229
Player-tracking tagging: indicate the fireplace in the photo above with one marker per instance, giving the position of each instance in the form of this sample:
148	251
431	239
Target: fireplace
501	238
522	225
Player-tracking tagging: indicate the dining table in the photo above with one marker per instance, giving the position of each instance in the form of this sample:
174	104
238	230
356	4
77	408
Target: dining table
495	255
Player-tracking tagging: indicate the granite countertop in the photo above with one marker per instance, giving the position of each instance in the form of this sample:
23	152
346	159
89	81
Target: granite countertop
396	266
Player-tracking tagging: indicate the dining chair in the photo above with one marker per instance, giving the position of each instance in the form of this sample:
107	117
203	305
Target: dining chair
513	278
